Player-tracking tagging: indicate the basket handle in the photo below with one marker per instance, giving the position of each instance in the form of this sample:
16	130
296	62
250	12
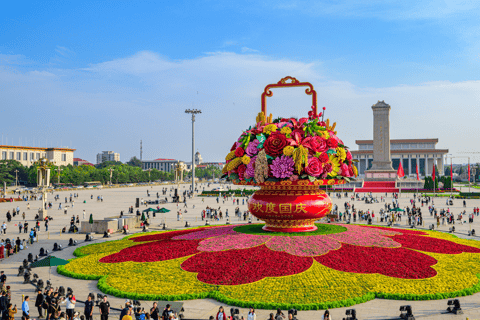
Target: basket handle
293	83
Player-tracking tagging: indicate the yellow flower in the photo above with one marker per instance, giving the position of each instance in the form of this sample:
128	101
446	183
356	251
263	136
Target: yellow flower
355	171
230	155
268	129
335	162
288	150
341	154
232	165
286	131
246	159
323	134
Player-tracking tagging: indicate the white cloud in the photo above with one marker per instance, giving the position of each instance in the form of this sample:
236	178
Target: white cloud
104	107
249	50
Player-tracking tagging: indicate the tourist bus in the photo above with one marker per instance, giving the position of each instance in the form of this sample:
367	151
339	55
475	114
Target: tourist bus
93	184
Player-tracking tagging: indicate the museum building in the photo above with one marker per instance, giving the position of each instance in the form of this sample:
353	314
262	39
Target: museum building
412	153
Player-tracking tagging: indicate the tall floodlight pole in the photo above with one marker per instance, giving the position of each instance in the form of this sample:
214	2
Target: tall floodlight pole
193	112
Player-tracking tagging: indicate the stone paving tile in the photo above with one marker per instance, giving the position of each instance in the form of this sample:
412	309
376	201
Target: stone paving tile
116	200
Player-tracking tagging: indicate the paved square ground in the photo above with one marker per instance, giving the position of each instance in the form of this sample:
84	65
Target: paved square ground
118	199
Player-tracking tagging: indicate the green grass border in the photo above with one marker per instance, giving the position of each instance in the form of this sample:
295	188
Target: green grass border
105	288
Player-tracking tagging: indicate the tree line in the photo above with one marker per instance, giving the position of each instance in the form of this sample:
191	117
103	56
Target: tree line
130	172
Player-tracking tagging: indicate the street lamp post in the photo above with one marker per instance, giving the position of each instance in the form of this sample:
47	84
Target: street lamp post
111	172
149	170
193	112
58	173
16	178
43	181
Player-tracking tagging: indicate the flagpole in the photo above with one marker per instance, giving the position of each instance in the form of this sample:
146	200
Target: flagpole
433	178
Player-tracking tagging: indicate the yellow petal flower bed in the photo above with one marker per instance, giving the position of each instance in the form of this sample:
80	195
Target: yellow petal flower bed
319	287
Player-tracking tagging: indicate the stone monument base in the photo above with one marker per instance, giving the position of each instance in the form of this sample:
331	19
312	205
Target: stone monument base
380	175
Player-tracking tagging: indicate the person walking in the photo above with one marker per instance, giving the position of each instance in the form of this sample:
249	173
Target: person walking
25	309
46	225
104	308
4	228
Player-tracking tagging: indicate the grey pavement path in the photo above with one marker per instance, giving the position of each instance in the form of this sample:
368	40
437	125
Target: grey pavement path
119	199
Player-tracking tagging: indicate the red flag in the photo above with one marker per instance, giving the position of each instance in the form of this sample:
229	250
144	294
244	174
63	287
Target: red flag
433	173
469	172
451	171
400	172
418	178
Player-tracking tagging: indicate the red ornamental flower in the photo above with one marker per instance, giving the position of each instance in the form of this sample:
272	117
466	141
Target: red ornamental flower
332	143
274	144
239	152
234	146
241	171
323	157
398	262
314	168
222	268
349	155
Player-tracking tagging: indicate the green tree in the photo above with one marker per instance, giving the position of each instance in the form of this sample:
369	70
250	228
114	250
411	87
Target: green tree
106	164
135	162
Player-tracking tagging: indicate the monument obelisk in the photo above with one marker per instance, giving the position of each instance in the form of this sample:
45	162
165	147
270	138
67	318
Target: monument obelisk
382	163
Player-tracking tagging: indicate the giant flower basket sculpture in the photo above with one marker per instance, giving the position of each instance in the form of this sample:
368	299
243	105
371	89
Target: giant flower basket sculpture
289	158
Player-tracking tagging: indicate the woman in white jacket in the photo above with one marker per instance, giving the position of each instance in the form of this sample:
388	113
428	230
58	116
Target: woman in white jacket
251	314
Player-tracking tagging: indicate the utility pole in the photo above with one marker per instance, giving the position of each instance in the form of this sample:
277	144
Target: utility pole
193	112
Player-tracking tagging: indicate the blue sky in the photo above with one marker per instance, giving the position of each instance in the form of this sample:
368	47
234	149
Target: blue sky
104	75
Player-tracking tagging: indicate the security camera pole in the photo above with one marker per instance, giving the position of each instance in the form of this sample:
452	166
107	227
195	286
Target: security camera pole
193	112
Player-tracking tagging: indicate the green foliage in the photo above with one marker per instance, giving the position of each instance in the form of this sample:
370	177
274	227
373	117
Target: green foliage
447	183
134	161
107	164
205	173
322	229
429	183
7	172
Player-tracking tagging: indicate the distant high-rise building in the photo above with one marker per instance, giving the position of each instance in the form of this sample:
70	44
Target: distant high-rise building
198	158
107	156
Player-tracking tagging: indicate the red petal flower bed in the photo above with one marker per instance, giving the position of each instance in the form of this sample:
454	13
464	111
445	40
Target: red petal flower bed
403	231
242	266
154	251
433	245
161	236
397	262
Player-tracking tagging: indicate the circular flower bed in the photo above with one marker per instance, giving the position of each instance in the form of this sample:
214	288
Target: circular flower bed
336	265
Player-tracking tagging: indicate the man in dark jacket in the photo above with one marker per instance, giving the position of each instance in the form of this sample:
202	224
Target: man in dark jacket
39	303
4	303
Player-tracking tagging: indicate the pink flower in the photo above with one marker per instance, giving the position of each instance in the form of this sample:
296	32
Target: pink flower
349	155
344	170
293	177
314	168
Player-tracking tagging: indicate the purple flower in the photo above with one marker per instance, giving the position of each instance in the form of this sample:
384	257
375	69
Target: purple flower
250	172
282	167
252	148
